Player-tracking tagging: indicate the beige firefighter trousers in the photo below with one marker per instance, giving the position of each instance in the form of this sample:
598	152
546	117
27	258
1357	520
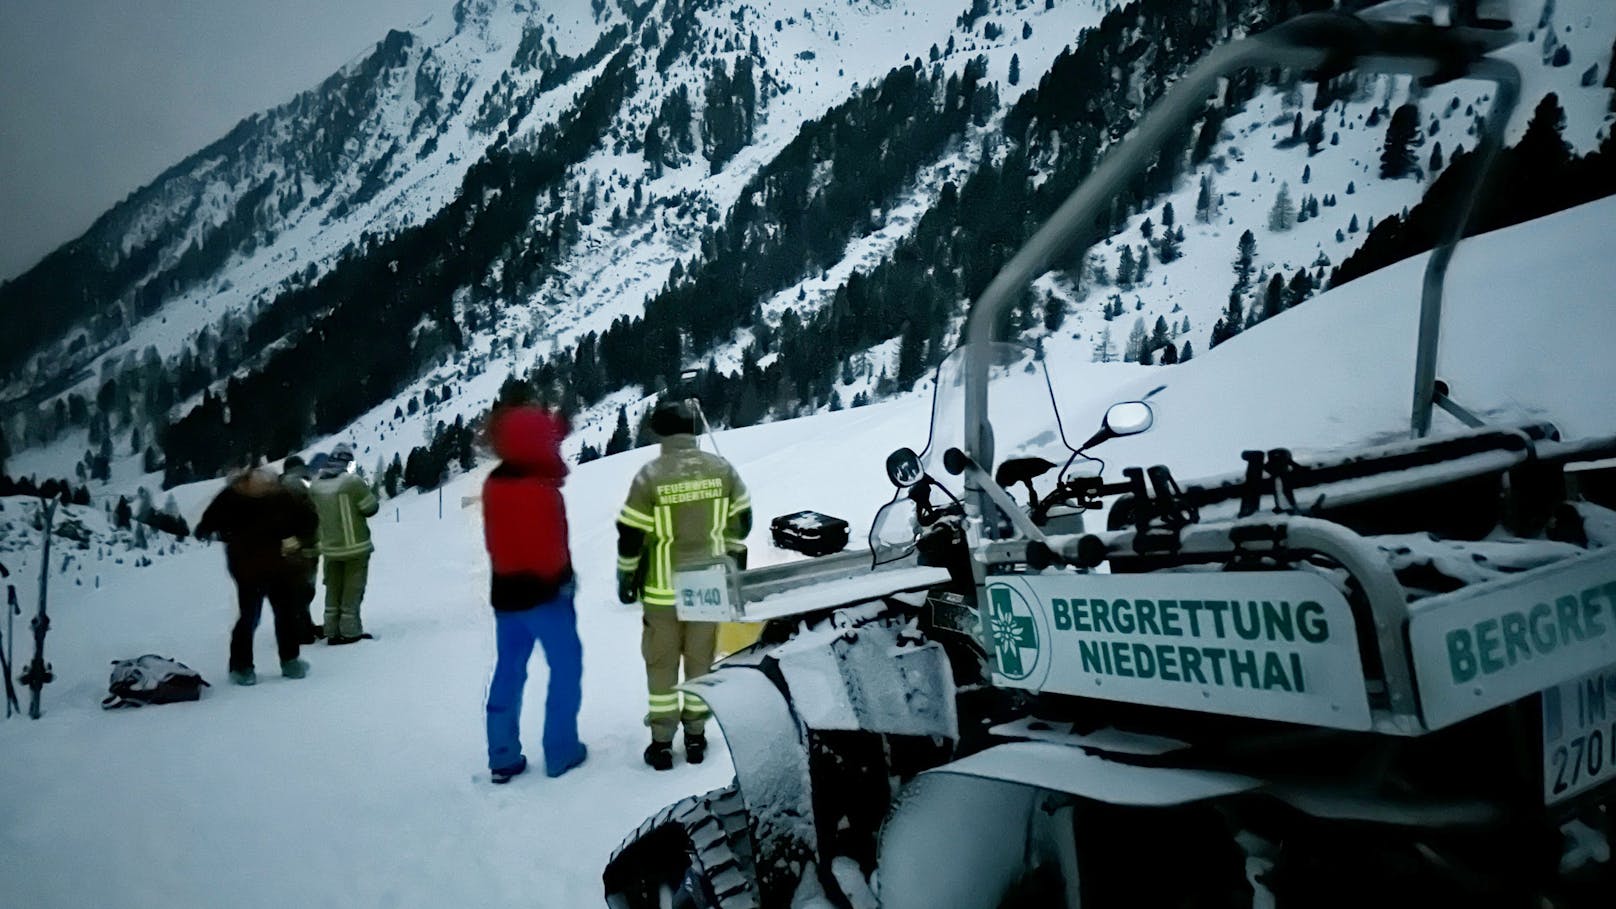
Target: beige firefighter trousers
344	590
664	642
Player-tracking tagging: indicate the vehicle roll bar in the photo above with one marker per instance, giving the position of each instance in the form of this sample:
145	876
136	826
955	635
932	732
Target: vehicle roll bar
1324	44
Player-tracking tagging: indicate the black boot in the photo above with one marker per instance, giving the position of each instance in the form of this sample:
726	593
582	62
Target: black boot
659	755
695	748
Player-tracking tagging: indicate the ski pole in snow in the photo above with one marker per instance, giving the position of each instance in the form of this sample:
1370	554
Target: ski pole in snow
38	673
706	428
5	658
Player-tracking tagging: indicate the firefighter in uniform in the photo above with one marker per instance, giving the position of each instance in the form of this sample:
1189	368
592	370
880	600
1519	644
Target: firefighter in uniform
686	506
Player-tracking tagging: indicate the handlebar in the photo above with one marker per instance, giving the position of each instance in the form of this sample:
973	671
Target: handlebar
1083	492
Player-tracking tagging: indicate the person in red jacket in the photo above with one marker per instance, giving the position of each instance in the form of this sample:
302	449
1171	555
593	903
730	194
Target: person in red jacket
525	526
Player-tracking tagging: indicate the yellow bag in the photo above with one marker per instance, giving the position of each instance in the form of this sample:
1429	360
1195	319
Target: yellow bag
736	636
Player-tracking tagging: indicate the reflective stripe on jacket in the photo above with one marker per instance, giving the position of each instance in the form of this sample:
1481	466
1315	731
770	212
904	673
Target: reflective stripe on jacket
344	502
690	505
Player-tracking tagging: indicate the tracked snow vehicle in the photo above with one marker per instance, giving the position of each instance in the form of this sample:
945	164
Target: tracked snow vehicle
1387	676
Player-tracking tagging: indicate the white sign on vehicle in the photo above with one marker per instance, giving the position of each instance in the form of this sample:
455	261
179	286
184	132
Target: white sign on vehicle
1276	645
1579	735
703	594
1476	651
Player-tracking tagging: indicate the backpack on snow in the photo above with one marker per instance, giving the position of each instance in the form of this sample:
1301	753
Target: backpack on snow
151	679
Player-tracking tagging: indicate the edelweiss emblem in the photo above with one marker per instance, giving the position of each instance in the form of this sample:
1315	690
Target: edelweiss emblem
1015	636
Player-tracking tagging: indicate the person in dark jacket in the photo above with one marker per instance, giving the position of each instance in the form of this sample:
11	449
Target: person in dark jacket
261	524
295	478
525	528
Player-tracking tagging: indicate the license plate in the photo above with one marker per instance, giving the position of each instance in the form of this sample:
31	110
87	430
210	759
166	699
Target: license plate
1579	735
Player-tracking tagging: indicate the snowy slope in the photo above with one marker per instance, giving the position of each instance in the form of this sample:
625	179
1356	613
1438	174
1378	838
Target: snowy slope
357	785
1249	166
610	271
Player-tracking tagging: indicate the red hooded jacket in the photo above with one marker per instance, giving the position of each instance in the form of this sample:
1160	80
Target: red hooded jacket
524	517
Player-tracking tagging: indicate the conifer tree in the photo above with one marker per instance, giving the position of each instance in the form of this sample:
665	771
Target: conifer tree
1159	334
1402	134
393	476
1054	314
1274	297
1137	341
1282	216
1245	256
1188	352
1104	350
1015	69
1167	249
1314	136
1125	268
1234	316
1203	201
620	439
911	354
1299	288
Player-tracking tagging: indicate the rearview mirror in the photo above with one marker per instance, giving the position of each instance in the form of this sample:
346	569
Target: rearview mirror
1129	418
903	468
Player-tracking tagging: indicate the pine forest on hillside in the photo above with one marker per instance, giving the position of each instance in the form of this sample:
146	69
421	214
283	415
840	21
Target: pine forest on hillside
775	304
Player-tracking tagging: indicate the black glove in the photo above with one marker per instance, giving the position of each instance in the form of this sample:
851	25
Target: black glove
625	588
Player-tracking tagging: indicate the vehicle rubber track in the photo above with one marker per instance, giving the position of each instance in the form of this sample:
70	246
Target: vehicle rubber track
699	849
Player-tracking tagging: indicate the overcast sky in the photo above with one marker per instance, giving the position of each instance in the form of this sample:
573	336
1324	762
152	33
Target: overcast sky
98	97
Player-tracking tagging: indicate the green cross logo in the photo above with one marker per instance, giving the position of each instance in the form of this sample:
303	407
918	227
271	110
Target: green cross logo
1015	635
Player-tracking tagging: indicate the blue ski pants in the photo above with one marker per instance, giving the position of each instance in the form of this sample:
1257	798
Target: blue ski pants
554	626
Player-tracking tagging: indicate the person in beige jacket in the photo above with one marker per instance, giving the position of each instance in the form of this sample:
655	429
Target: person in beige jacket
685	506
344	502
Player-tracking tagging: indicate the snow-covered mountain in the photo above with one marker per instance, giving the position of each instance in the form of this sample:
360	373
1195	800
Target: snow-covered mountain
794	200
193	261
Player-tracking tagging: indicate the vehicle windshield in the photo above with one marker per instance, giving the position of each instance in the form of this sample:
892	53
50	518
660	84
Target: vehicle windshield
1025	421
